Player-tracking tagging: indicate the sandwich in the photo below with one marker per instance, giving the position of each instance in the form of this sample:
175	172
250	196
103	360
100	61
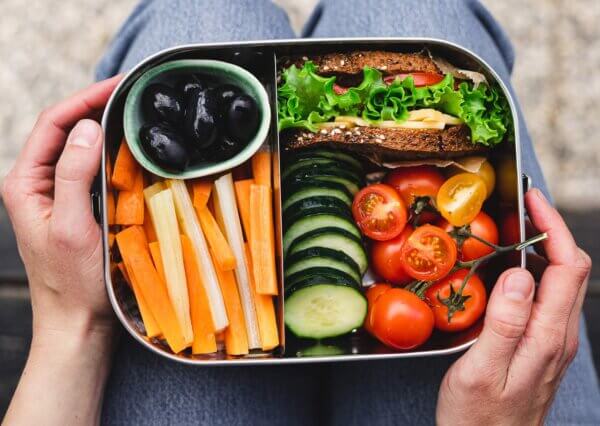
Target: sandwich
389	104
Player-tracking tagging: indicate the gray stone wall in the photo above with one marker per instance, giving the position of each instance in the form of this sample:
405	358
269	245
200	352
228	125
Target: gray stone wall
48	49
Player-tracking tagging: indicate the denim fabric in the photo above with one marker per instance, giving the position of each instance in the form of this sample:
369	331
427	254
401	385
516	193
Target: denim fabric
146	389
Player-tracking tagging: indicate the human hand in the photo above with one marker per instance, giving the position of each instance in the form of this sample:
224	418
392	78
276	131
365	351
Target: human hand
47	195
511	374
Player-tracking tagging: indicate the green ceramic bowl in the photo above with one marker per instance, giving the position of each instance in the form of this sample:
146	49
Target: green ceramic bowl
223	72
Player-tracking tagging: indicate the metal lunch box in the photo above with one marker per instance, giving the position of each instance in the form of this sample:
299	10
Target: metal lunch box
355	346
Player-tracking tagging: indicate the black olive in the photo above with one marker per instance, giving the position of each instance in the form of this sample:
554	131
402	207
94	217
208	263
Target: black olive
185	84
162	103
164	145
224	149
201	118
242	118
225	94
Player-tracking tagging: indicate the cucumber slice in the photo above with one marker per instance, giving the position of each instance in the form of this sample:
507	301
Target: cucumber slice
293	280
351	186
305	224
323	308
313	162
309	172
315	205
336	239
337	155
317	189
320	257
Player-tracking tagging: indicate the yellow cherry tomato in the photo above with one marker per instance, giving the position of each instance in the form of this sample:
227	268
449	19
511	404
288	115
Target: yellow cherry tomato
461	197
485	172
507	180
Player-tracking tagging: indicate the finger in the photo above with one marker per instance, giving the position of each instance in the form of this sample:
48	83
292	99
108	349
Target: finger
530	232
72	215
47	138
567	269
572	341
536	265
506	320
560	247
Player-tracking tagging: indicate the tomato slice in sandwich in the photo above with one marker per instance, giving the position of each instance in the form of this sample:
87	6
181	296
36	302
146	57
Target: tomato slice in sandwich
420	78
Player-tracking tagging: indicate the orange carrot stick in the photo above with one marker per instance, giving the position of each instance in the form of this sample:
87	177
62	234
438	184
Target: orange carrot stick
236	339
261	168
202	323
125	170
225	259
134	250
265	312
262	241
130	204
201	189
242	196
157	259
150	323
149	226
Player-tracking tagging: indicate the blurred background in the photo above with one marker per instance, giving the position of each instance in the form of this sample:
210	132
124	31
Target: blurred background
49	49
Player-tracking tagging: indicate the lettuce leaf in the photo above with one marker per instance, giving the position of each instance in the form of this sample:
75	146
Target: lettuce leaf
306	99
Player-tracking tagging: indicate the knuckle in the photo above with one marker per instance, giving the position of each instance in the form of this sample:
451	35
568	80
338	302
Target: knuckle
67	170
584	262
506	329
471	380
553	345
572	349
46	115
9	191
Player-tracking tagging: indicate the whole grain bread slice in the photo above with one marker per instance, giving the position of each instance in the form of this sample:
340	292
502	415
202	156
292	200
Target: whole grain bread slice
391	143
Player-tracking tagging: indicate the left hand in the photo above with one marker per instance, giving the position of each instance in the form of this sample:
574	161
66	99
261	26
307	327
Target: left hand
511	374
47	195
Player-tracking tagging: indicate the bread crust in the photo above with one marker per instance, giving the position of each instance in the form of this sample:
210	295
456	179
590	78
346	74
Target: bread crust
453	141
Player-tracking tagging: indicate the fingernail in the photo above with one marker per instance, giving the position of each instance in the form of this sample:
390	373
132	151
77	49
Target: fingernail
85	134
518	286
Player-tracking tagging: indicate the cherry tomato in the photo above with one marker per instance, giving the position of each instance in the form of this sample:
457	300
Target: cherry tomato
373	294
414	182
483	226
420	78
386	261
379	212
399	319
485	172
460	198
429	253
474	305
507	180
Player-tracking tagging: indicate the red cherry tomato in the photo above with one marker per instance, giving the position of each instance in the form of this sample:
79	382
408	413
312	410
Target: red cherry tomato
373	294
420	78
414	182
379	212
474	305
386	259
484	227
429	253
399	319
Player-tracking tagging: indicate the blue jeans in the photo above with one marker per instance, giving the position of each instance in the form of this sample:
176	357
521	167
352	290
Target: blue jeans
146	389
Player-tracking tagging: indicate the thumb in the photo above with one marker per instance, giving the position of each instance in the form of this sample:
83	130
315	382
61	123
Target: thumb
506	319
75	171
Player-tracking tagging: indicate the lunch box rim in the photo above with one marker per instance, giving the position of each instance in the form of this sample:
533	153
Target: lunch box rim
102	192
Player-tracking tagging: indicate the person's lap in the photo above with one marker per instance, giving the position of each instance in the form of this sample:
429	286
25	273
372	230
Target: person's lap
144	387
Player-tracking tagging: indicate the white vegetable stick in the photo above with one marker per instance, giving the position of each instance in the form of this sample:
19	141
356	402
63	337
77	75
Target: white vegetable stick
162	210
191	227
233	230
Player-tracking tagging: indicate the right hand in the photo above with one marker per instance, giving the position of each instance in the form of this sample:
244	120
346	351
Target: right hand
511	374
47	195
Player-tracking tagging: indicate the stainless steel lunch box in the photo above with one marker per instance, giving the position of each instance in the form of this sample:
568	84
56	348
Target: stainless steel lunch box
356	346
